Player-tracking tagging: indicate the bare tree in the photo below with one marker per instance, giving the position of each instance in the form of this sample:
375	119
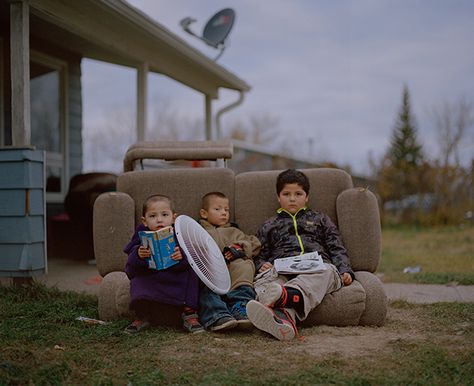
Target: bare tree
237	131
452	182
452	121
263	128
171	124
105	144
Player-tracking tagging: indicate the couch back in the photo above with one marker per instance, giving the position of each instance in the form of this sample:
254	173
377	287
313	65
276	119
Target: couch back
184	186
256	197
253	200
252	195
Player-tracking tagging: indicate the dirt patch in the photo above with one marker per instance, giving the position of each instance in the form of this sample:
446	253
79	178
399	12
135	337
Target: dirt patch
363	342
403	326
406	328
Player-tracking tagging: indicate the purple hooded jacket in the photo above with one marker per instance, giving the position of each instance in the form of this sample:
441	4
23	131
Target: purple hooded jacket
176	285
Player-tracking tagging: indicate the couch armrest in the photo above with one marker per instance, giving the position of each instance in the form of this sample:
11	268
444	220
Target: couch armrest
359	224
114	296
113	225
375	311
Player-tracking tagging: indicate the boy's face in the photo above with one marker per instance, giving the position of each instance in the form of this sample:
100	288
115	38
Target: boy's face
218	212
292	198
158	215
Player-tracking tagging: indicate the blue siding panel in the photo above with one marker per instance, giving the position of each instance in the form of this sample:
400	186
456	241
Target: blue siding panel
23	259
21	168
24	229
13	202
22	214
17	175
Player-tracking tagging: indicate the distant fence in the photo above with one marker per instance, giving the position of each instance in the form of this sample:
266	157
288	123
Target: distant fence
249	157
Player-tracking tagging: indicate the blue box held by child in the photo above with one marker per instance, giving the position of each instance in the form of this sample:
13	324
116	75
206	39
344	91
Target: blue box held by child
161	243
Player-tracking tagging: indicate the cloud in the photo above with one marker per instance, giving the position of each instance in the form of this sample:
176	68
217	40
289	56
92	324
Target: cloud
333	71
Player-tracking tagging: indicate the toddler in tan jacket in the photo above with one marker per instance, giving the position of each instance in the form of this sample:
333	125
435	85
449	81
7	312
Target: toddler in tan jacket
223	312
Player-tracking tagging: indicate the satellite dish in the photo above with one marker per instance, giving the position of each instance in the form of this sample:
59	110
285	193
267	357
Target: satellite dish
216	29
203	254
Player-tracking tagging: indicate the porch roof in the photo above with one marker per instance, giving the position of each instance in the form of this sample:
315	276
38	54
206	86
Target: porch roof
116	32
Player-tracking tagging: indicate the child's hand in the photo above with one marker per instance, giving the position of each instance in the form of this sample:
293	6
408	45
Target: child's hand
234	251
228	255
346	278
177	254
144	252
265	266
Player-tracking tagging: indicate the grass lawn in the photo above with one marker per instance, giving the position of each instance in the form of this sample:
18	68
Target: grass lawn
43	344
445	255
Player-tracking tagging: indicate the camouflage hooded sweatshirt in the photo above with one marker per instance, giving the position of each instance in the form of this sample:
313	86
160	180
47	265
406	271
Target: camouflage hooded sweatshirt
287	235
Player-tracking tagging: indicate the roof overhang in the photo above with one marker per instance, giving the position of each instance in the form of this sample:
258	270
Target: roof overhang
116	32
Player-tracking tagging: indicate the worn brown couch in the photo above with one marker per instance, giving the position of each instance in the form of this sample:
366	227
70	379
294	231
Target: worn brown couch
253	199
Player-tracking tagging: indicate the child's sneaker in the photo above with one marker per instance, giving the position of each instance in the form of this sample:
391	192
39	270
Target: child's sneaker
276	322
273	294
239	312
224	323
191	323
136	326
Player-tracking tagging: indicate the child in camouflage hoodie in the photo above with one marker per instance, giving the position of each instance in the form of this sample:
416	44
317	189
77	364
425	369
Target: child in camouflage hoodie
295	230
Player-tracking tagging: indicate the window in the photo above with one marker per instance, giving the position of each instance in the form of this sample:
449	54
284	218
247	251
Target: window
48	120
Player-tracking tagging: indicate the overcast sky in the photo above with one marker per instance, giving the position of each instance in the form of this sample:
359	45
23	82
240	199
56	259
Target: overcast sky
330	72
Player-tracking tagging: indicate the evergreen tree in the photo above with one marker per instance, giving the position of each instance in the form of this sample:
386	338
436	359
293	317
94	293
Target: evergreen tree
405	151
399	175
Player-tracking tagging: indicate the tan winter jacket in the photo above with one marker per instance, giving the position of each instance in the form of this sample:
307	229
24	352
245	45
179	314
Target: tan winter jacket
242	271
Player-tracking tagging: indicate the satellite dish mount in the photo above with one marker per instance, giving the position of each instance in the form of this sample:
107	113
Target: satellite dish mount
216	29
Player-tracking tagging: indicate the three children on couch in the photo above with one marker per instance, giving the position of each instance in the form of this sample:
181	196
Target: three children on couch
270	301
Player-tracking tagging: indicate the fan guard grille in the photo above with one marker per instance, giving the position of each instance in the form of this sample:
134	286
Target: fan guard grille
203	254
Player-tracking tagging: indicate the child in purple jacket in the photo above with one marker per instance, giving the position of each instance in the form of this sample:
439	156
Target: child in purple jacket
149	288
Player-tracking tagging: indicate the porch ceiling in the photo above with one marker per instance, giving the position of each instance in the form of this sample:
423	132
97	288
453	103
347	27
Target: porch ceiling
113	31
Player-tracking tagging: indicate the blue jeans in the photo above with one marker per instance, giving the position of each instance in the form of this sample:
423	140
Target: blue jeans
212	306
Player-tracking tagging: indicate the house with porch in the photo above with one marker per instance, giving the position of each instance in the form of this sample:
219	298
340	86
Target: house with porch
42	44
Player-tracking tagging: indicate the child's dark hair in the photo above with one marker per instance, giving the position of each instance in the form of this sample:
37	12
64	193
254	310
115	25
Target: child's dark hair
155	198
292	176
206	199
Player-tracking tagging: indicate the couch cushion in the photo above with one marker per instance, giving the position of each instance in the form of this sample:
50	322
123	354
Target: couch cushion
256	198
376	300
359	224
113	226
184	186
341	308
114	296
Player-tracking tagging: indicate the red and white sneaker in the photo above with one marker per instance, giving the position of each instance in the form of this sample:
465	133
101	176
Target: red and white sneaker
272	295
276	322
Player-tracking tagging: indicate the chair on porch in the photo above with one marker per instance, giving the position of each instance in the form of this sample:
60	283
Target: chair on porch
70	233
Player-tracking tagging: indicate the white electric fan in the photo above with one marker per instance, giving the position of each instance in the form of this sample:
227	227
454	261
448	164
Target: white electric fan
203	254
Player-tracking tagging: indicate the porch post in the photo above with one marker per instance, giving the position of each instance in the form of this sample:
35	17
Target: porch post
142	84
20	72
208	118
